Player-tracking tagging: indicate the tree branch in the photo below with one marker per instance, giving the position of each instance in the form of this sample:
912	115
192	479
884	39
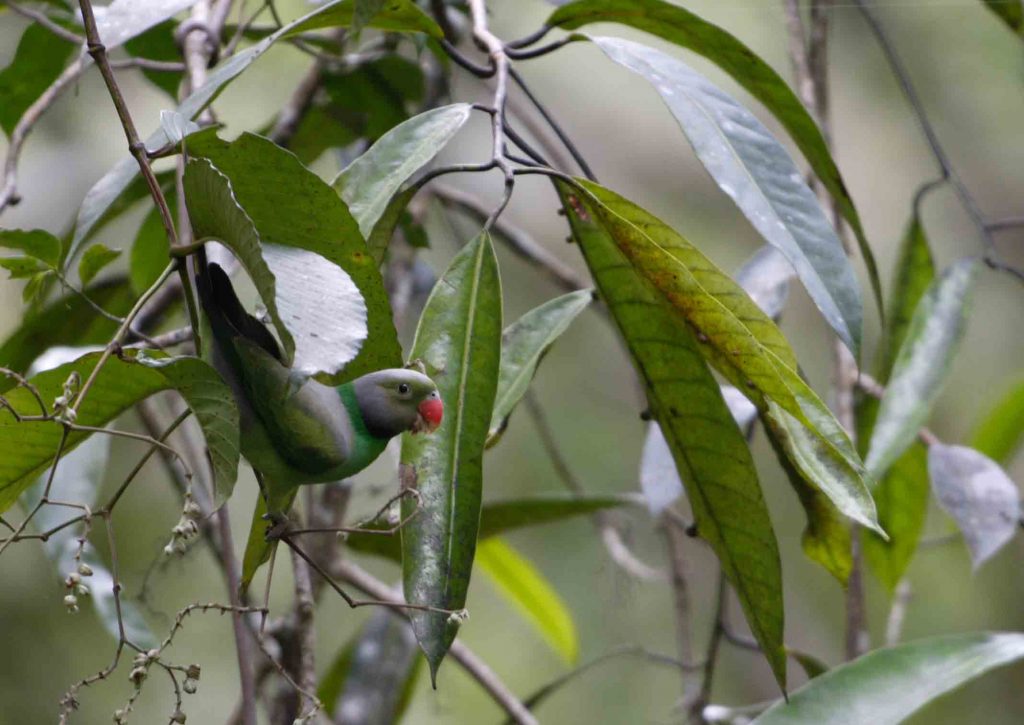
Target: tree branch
474	666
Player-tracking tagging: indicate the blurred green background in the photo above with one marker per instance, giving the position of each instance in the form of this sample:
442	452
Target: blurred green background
969	70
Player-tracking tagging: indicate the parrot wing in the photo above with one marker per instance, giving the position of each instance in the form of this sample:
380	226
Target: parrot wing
299	430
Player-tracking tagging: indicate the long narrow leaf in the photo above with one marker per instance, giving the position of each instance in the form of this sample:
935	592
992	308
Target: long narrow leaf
921	366
524	343
369	182
529	592
404	16
742	343
459	342
755	171
888	685
901	494
680	26
709	450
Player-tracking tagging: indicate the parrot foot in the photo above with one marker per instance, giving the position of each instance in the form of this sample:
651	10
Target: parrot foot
278	525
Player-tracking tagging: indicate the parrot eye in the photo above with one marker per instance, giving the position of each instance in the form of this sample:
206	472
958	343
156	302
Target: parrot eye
403	389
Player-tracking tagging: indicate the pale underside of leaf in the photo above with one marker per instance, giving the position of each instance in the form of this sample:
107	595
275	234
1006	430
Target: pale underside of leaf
755	171
978	494
369	182
888	685
921	366
524	344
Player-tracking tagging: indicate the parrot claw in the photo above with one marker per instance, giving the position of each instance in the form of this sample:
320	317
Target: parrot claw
278	525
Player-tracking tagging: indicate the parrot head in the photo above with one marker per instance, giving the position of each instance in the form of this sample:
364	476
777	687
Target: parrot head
398	400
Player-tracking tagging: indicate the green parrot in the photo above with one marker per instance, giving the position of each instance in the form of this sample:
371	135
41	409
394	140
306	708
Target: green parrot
313	433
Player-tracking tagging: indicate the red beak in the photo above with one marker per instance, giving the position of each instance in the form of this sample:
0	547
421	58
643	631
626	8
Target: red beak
432	412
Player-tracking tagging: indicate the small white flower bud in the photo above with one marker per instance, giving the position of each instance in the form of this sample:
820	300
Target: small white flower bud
84	569
71	603
82	590
72	579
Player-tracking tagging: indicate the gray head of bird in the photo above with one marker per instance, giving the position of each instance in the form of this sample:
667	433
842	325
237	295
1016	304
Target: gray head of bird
398	400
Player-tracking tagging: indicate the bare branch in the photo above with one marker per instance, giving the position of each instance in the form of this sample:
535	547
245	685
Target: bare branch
518	240
476	667
610	534
9	193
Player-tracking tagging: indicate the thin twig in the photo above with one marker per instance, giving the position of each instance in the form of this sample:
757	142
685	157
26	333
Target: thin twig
562	135
898	613
98	51
610	535
518	240
489	42
43	19
545	691
476	667
676	541
305	608
693	705
9	193
949	172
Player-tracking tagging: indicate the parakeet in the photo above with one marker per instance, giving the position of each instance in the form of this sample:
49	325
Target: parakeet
313	433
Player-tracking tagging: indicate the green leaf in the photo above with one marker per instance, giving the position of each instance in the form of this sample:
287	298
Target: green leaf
35	243
109	189
371	679
888	685
364	12
376	96
1000	433
384	229
271	207
826	538
979	496
741	342
524	344
95	259
901	494
23	267
158	43
37	63
497	517
755	171
678	25
318	131
1010	12
69	320
812	666
459	341
531	594
392	16
110	197
709	450
921	366
369	182
915	271
78	479
902	500
27	448
150	250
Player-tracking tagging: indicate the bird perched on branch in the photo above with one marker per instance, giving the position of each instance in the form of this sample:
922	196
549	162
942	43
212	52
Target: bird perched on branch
313	433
